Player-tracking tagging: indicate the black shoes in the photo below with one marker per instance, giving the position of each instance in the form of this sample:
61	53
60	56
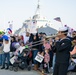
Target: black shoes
3	68
7	68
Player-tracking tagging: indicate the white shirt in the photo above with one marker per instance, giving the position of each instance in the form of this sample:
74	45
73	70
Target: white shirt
25	38
6	46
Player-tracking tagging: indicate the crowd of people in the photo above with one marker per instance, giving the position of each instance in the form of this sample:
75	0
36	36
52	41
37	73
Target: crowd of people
56	51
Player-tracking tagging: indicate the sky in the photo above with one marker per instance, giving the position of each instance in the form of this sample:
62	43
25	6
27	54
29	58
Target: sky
20	10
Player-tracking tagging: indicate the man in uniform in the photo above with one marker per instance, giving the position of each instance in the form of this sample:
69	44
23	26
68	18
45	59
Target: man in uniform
63	47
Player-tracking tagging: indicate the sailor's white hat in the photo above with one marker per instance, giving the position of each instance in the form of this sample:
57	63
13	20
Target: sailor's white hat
63	29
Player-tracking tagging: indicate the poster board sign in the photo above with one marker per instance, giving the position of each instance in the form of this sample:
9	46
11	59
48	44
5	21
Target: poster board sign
12	60
39	58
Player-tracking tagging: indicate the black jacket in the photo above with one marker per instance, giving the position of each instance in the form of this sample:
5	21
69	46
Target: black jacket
36	40
63	48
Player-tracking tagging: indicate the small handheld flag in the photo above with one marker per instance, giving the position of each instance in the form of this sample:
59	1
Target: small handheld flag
57	19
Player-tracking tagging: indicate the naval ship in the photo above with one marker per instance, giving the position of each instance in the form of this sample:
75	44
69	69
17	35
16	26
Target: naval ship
38	22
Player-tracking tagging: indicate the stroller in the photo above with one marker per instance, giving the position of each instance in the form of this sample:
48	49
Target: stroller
21	61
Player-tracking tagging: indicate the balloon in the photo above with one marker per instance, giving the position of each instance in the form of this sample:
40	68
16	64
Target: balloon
8	32
0	32
26	46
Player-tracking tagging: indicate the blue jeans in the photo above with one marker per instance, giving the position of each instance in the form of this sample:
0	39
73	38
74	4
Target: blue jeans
1	59
6	59
34	55
54	57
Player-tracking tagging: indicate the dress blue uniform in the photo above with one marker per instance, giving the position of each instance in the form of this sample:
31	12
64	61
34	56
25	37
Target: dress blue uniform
62	56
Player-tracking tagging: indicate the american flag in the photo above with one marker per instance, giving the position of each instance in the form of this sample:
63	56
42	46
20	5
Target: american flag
57	19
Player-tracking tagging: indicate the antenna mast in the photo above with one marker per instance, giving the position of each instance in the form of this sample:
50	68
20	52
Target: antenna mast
38	8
